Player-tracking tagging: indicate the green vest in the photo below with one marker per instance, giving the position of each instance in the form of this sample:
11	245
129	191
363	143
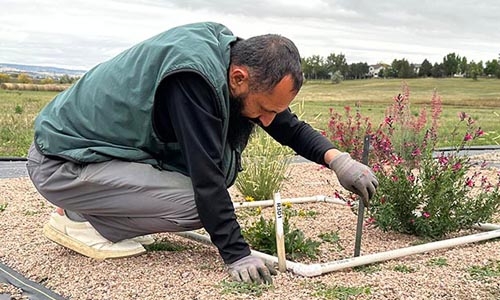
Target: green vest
107	114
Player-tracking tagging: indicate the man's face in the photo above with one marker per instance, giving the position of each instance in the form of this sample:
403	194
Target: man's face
263	106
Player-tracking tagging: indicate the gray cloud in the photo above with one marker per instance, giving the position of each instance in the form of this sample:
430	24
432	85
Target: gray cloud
90	31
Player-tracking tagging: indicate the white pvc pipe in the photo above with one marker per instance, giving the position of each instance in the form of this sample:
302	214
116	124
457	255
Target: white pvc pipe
261	203
319	269
323	268
486	226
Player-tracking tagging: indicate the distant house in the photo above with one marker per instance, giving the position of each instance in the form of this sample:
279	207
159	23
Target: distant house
374	70
416	68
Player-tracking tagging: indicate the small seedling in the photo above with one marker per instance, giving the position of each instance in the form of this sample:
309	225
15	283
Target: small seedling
492	269
404	269
3	206
339	292
368	269
439	261
332	238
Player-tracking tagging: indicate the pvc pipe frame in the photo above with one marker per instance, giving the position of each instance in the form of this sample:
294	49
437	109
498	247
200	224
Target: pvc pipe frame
311	270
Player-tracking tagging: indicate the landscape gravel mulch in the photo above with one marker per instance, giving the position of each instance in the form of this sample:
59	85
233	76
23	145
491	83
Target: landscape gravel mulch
195	271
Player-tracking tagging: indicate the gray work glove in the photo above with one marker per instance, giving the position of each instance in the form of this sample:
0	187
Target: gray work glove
251	269
355	176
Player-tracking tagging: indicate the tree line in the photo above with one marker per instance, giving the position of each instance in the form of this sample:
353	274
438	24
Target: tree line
335	67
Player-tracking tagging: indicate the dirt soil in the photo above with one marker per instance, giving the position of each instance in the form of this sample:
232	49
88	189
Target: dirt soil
197	272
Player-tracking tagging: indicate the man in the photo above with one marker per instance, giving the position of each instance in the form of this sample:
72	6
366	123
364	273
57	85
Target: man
150	140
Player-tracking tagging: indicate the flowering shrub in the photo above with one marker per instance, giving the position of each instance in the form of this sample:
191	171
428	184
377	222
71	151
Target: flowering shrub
418	193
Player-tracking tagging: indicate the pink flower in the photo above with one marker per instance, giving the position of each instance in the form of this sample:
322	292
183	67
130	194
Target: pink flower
469	182
462	115
376	168
443	160
467	137
426	215
411	178
479	132
416	152
456	166
370	221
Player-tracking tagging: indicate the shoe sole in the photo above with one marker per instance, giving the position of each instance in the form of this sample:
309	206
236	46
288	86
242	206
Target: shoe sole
66	241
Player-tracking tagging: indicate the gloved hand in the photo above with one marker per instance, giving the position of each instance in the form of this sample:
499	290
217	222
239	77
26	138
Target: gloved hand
251	269
355	176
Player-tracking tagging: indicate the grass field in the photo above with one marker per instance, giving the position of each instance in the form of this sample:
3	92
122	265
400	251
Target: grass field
480	99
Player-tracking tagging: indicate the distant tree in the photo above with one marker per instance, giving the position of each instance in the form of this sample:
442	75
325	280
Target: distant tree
438	70
401	68
492	68
358	70
425	69
315	67
475	69
24	78
462	66
47	80
450	64
337	77
336	63
4	78
65	79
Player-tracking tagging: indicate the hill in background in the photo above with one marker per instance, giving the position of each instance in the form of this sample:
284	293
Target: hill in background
39	71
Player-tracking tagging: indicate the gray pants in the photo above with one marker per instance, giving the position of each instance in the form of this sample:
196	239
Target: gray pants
120	199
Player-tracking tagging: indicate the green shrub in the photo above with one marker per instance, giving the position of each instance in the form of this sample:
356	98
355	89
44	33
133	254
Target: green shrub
261	236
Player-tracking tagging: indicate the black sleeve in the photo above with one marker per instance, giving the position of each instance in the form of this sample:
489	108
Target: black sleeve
188	105
288	130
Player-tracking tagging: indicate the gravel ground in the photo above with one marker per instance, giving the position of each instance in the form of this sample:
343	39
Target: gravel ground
197	272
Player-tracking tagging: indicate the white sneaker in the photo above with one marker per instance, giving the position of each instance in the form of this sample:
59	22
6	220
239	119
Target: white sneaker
81	237
144	240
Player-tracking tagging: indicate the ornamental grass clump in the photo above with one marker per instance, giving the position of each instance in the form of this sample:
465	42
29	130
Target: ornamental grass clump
420	193
265	164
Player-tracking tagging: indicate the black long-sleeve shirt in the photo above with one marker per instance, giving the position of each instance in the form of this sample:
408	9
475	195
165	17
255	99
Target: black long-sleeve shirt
186	112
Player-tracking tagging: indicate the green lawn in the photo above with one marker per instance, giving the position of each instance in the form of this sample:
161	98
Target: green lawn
480	99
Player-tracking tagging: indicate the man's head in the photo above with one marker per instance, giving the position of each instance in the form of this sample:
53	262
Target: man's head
264	75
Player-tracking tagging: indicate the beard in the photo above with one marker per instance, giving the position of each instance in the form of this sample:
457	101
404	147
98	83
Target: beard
240	127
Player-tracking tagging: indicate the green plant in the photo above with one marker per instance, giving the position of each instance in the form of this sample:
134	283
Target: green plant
164	245
339	292
492	269
368	269
332	238
19	109
439	261
404	269
249	289
261	235
3	206
265	163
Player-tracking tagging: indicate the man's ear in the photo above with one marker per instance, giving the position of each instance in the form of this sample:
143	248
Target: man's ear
238	79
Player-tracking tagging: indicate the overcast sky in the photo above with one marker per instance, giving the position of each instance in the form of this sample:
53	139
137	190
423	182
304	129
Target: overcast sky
82	33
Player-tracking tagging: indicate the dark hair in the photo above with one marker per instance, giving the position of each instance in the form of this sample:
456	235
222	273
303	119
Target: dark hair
269	58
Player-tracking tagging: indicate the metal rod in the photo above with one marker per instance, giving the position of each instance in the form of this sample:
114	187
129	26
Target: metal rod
361	205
